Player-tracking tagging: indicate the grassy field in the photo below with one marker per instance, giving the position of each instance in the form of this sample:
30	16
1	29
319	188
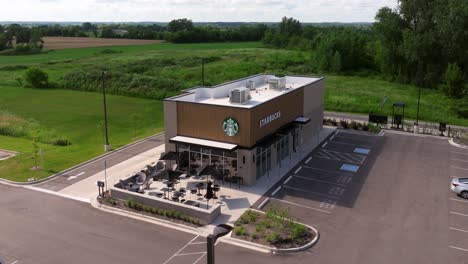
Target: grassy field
77	115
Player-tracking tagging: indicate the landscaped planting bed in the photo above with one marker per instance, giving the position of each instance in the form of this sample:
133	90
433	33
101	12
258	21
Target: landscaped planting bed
130	205
273	228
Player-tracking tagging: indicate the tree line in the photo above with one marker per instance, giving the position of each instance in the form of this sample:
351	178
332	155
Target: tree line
420	42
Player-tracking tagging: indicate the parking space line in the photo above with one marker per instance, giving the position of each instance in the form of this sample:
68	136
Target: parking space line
182	248
316	193
199	258
304	206
307	161
327	182
196	243
456	229
191	253
332	171
459	248
460	160
275	191
459	168
324	144
458	200
298	169
14	262
288	179
460	214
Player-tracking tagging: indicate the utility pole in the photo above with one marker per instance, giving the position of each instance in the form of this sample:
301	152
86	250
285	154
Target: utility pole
203	71
417	112
106	146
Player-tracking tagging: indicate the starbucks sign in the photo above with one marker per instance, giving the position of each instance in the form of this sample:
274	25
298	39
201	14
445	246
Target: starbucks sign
230	126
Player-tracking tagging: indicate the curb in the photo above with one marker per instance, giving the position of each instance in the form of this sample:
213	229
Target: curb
453	143
81	164
142	217
391	131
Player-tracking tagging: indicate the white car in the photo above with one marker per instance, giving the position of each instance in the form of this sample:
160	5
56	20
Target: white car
460	186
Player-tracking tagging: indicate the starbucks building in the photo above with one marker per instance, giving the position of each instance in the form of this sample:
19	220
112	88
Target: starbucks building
244	128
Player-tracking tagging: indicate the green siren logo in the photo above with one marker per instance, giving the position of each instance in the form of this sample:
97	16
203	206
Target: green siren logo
230	126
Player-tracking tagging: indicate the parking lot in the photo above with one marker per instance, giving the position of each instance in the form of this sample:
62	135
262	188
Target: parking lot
380	199
458	208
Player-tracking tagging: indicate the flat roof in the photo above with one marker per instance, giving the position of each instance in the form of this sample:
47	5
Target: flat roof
219	94
203	142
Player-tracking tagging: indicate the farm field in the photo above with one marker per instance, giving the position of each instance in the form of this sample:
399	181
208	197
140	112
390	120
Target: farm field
56	43
153	72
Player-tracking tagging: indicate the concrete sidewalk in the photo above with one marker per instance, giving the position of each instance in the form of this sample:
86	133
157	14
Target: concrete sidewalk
87	188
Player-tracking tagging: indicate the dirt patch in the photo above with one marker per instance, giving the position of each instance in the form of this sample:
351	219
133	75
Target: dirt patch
55	43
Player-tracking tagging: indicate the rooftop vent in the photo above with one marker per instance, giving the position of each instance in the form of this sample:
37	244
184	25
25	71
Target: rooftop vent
276	83
239	95
251	85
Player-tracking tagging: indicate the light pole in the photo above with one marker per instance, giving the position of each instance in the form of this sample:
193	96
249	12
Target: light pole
203	71
417	111
106	146
219	231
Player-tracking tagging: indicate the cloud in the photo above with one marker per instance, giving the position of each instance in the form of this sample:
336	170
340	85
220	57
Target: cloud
197	10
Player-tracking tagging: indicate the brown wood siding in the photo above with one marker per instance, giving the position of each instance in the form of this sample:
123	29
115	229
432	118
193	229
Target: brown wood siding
206	121
291	106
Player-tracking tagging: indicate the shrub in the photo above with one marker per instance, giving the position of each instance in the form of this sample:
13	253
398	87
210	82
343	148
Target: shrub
240	231
254	235
273	238
61	142
344	124
365	127
298	231
130	203
36	78
249	217
108	51
354	125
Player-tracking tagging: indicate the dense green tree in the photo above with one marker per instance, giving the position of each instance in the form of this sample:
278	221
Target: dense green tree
420	38
454	81
181	24
290	27
108	33
36	78
336	62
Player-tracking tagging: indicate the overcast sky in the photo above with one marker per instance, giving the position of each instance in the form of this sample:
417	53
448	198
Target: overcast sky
197	10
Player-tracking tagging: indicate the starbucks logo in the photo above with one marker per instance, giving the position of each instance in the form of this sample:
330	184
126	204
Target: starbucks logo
230	126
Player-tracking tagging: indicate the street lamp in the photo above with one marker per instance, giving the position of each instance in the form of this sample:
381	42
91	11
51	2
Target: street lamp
106	146
203	71
417	112
219	231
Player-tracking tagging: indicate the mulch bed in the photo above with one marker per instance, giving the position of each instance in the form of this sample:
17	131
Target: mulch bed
256	231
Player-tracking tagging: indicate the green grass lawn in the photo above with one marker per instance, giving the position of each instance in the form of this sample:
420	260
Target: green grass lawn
77	115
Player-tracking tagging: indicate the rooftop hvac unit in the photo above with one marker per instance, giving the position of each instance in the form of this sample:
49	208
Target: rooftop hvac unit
276	83
239	95
251	85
